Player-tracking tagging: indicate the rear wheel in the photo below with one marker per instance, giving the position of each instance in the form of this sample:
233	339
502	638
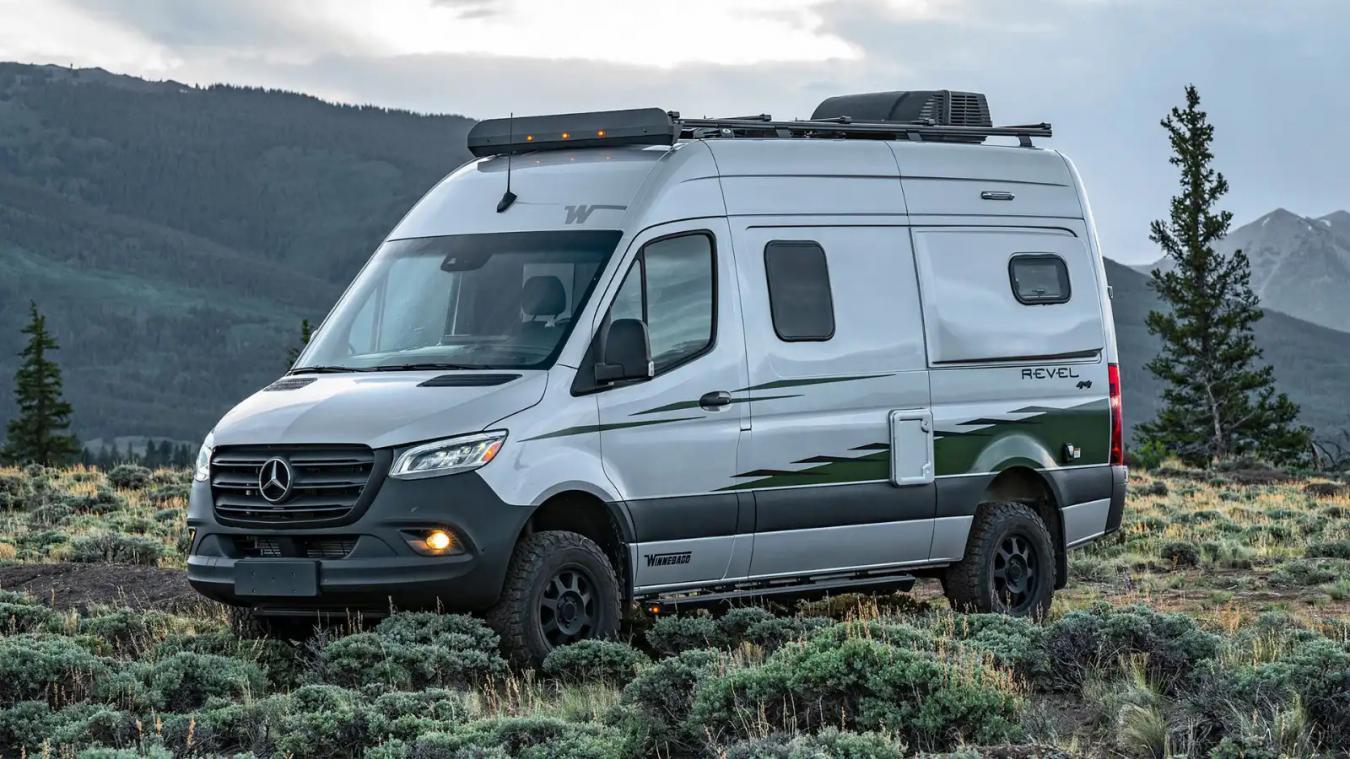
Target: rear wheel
1009	565
560	588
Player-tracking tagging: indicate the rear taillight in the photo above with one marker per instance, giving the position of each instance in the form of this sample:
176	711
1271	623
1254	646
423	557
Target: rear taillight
1117	418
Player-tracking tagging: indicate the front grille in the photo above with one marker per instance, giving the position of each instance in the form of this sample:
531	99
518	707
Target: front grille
326	484
276	547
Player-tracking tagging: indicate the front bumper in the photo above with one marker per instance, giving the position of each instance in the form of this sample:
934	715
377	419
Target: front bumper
381	571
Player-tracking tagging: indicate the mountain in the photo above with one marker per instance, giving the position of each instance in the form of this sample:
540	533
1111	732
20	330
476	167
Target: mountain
1311	362
1300	265
175	236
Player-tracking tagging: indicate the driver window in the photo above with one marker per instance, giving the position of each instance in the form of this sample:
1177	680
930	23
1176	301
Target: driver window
670	287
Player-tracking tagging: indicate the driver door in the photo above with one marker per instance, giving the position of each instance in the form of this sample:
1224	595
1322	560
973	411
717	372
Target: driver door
670	443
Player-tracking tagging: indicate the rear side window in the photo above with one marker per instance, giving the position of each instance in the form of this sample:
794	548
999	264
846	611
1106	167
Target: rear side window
799	290
1039	279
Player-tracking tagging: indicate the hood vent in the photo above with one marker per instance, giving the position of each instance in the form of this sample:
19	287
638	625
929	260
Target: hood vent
288	383
469	380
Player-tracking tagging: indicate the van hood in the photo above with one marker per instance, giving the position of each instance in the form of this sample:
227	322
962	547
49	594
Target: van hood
379	410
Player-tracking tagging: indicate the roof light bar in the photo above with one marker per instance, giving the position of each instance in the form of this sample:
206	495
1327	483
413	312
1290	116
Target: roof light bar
640	126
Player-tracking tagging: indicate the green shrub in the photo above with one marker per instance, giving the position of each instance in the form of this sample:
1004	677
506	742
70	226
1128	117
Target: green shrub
673	635
129	477
430	628
321	720
185	680
1339	549
1088	642
1316	673
406	715
1154	488
1016	643
1180	554
525	738
19	613
25	725
1303	573
658	701
595	660
127	630
165	493
830	743
35	667
277	659
389	657
928	701
15	493
111	548
103	501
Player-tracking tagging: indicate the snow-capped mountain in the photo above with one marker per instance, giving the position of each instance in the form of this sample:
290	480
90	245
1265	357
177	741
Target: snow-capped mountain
1300	265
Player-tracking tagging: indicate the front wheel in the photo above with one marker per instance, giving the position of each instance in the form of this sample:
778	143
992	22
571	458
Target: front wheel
1009	565
560	588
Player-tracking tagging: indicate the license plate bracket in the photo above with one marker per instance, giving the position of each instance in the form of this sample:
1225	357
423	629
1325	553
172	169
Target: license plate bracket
288	579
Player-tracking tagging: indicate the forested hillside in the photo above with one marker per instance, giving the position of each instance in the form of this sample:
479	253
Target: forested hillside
1311	362
176	236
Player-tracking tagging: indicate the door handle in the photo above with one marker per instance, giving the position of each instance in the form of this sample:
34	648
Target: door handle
715	399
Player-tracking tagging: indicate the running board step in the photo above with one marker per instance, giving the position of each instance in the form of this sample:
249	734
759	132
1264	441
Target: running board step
668	604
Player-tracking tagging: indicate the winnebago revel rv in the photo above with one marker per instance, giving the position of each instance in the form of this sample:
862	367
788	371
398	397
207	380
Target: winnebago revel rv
633	358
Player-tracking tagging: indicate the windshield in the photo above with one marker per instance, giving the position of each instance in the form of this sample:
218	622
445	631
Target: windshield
500	301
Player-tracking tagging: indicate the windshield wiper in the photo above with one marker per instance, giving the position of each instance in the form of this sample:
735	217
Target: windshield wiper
419	367
326	370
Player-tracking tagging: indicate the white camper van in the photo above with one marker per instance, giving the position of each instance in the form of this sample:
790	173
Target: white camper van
630	358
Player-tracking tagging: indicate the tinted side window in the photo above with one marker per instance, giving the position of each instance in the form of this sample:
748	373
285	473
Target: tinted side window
799	290
670	287
679	295
1039	279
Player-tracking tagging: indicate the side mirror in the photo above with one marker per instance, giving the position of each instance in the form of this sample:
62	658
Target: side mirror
627	352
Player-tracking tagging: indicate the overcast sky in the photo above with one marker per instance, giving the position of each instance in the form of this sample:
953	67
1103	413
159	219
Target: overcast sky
1272	74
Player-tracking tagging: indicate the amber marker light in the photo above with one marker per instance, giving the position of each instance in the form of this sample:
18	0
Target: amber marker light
433	542
566	135
439	540
600	133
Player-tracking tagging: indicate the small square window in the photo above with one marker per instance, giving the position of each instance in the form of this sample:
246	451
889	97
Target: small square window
799	290
1039	279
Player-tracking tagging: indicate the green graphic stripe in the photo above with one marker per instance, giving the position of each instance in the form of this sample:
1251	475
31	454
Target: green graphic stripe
682	405
777	384
830	470
1037	440
584	429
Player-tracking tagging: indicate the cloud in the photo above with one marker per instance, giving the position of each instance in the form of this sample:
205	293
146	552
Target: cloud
1102	71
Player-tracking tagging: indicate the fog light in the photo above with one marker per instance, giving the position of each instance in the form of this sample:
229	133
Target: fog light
434	542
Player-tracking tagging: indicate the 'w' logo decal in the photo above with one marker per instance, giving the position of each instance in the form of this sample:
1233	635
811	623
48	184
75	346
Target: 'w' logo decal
579	214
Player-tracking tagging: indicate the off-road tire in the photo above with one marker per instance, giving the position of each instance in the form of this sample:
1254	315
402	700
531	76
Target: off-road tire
969	584
537	560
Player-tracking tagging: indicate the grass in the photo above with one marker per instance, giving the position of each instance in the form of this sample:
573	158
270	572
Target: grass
1216	622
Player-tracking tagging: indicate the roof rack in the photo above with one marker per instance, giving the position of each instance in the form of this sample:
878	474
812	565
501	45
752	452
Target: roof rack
653	126
764	126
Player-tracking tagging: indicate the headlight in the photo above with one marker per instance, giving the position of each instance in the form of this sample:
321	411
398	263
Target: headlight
450	456
203	472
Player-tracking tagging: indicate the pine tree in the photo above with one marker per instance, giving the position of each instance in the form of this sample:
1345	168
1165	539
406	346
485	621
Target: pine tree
306	332
1219	402
38	434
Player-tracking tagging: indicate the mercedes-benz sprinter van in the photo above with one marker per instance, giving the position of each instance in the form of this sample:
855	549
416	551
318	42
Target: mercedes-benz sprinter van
626	358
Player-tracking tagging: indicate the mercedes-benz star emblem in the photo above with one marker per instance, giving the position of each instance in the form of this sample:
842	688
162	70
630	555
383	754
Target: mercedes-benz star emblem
274	480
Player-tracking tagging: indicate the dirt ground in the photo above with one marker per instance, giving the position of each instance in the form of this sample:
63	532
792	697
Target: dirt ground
79	586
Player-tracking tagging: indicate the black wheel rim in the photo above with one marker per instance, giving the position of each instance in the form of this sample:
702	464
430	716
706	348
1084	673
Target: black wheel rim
568	610
1016	575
